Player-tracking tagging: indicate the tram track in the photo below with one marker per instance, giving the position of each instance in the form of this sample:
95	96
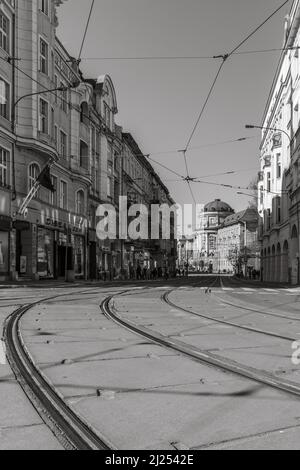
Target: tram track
69	428
204	357
165	298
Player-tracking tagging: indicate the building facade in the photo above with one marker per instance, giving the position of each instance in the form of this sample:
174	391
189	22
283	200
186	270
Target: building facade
238	245
205	256
141	185
55	121
278	185
7	49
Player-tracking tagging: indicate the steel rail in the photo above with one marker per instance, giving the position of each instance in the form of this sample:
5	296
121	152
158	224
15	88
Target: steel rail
68	427
165	298
209	359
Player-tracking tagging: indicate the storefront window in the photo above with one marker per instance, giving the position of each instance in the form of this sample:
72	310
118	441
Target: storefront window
3	252
79	256
45	253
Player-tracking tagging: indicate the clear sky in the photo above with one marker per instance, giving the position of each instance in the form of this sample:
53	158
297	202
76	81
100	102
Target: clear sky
160	100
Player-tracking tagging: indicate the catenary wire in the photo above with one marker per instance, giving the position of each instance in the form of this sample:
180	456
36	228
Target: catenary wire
86	30
195	57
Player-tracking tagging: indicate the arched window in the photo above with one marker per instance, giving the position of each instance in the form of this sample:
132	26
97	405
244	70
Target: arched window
33	173
80	202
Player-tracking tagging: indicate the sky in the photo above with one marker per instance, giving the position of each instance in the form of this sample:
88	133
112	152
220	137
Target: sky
160	100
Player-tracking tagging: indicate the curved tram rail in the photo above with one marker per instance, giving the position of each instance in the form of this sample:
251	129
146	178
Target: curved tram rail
212	360
67	426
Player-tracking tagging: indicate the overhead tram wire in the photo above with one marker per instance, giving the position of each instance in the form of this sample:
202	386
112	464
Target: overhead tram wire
144	155
212	57
230	186
224	58
85	31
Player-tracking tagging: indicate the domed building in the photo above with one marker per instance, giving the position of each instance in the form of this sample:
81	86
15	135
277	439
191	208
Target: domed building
205	245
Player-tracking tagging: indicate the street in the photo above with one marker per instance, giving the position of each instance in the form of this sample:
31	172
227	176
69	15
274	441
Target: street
199	363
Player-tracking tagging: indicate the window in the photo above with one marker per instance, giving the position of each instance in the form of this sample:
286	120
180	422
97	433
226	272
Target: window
52	123
109	187
34	171
56	86
44	61
109	180
44	118
4	32
4	99
53	195
107	115
44	6
278	165
80	202
269	182
84	113
56	135
269	219
261	195
84	155
212	243
3	167
64	98
63	202
278	204
63	144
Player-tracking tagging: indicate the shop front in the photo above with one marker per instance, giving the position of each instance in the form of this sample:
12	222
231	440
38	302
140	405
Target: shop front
50	244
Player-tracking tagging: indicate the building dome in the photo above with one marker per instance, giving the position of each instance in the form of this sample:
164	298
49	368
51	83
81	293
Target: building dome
218	206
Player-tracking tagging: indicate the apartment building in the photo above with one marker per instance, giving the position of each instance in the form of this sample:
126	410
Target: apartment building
278	184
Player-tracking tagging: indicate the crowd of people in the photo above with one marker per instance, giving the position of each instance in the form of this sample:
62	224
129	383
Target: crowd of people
147	274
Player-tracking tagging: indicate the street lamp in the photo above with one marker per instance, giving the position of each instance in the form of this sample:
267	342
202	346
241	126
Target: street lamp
251	126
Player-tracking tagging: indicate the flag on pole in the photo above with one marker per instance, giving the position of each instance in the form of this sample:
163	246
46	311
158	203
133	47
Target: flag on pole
44	179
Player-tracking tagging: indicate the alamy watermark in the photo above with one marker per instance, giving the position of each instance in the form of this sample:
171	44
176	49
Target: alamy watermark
138	221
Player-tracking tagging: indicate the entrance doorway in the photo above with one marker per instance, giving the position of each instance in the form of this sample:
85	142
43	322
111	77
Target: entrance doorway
64	260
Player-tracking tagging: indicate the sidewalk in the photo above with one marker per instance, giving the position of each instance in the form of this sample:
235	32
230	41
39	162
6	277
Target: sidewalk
259	283
79	283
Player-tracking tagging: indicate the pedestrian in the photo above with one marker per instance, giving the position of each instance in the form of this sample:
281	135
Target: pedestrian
138	273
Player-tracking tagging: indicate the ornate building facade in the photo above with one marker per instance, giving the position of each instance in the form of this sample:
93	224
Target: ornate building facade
205	245
59	127
279	181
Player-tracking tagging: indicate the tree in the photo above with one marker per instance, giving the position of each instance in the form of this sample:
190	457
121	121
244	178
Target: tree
235	259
